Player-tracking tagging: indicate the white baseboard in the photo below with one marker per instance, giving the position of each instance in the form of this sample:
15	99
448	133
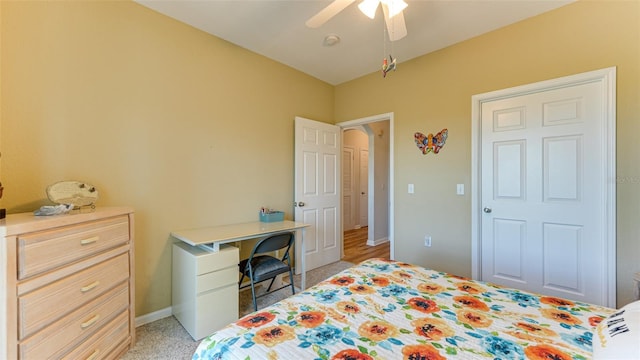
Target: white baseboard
377	241
156	315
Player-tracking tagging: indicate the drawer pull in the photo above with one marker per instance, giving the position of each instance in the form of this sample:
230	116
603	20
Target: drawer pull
90	322
93	354
90	240
90	286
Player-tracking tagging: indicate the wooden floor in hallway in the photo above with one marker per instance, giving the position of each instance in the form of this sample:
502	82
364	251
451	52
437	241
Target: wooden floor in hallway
357	250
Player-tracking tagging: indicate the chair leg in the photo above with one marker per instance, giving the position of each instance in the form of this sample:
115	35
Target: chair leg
271	284
253	296
293	289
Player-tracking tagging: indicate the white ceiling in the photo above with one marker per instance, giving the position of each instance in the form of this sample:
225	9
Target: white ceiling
276	29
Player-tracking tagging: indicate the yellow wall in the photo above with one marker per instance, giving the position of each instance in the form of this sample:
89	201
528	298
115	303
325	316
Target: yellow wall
192	131
186	128
434	92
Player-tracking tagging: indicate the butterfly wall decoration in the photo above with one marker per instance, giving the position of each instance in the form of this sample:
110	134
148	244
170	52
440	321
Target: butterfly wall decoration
430	142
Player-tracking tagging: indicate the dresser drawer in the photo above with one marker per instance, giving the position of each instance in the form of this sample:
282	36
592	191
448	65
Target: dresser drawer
102	344
62	335
46	250
45	305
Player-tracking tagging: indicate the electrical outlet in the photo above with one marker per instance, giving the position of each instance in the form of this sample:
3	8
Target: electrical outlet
427	240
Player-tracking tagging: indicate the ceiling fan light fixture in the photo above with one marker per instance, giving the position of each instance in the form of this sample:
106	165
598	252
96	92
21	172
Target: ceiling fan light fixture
395	6
369	7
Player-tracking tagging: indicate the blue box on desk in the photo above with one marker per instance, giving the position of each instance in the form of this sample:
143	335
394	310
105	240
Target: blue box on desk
272	216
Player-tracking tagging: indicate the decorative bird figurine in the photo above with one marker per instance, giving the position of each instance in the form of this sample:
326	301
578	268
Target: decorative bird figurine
388	66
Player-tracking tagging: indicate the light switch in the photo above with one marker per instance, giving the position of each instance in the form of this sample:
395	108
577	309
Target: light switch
460	189
410	189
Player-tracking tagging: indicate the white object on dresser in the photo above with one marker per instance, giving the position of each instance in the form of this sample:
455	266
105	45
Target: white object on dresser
67	285
205	288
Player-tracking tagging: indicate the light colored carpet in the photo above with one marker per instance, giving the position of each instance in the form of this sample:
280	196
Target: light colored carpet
167	339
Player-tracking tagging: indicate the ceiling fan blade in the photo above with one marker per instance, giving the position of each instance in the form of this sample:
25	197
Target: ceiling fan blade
327	13
396	27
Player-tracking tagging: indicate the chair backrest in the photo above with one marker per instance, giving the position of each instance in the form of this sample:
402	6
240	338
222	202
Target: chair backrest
273	243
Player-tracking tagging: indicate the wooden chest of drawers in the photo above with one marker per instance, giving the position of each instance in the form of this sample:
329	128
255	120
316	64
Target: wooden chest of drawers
67	285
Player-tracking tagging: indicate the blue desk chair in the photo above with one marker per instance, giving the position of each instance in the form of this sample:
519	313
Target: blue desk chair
259	267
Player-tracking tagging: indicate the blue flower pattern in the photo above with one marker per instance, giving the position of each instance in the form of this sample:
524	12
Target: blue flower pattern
502	348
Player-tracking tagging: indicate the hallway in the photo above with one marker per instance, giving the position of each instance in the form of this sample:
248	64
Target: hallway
357	250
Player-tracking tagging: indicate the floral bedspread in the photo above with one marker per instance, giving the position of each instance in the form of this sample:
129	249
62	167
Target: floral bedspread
382	309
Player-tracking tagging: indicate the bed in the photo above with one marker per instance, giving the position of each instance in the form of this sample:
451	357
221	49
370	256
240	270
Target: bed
381	309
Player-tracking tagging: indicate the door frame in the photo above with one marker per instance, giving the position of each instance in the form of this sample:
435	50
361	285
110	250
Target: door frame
607	77
363	121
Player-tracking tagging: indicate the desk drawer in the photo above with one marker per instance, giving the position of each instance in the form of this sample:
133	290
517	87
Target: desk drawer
41	307
46	250
63	334
217	279
207	262
214	310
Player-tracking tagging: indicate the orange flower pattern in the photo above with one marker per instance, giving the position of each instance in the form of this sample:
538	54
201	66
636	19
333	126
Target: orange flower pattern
361	289
595	320
351	354
474	318
545	352
377	330
469	287
422	352
430	288
560	316
423	305
556	301
274	335
256	320
471	302
342	280
432	328
383	309
380	281
348	307
537	330
310	319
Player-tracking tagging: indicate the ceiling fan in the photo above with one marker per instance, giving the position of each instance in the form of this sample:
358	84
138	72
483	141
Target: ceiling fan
392	10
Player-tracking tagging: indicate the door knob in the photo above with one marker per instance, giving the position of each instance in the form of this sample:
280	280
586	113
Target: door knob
362	193
487	210
300	204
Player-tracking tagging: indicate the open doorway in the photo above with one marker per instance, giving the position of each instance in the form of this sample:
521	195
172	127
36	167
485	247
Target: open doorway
355	178
366	183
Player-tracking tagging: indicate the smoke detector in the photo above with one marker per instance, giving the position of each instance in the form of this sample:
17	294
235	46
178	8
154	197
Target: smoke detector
331	40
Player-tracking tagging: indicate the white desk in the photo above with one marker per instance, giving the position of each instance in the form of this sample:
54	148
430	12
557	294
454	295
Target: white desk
211	237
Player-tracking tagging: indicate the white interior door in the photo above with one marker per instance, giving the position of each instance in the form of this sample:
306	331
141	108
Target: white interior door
364	187
348	189
544	184
317	189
